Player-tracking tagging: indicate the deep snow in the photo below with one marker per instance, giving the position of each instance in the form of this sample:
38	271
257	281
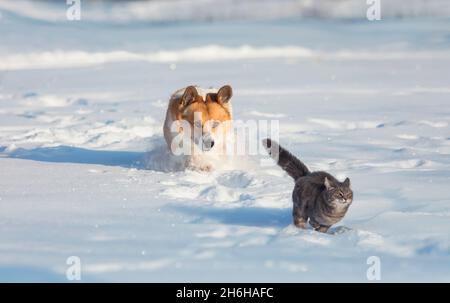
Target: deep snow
81	143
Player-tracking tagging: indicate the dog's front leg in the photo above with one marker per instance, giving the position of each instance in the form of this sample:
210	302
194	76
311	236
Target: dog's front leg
199	164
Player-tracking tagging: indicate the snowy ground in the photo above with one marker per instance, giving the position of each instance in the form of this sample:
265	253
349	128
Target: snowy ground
81	110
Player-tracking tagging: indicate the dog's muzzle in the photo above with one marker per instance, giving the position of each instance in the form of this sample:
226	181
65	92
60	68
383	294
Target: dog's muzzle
207	142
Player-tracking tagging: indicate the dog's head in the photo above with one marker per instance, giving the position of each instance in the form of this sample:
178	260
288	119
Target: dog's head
206	117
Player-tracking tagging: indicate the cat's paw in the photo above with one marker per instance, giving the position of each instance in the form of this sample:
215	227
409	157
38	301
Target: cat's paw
323	229
300	224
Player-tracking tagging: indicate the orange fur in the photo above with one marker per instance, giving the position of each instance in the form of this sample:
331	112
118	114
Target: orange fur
214	107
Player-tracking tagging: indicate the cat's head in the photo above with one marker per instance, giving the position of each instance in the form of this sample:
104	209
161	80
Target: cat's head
338	193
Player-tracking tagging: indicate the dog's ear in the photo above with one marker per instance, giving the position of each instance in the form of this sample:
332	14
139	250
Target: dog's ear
190	95
224	94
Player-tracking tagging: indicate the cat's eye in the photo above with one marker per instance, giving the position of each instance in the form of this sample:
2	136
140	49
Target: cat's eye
215	124
198	124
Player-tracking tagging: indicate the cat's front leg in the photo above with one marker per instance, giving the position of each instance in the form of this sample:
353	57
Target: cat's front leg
322	228
314	224
300	222
318	227
300	218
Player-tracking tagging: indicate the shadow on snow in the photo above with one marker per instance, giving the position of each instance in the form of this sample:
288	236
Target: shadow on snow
69	154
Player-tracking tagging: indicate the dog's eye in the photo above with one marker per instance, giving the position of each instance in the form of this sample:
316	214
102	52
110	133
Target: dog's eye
215	124
198	124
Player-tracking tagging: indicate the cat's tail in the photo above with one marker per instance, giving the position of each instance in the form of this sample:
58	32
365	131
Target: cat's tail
288	162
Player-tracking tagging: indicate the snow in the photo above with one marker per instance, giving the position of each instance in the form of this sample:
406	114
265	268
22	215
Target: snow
187	10
84	170
208	53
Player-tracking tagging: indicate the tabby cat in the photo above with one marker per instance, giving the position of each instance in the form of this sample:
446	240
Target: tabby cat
317	196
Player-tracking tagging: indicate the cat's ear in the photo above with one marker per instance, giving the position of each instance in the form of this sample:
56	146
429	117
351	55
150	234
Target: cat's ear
328	184
347	182
189	95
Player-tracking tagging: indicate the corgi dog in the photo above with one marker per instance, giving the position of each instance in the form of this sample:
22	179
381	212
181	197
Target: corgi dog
197	124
